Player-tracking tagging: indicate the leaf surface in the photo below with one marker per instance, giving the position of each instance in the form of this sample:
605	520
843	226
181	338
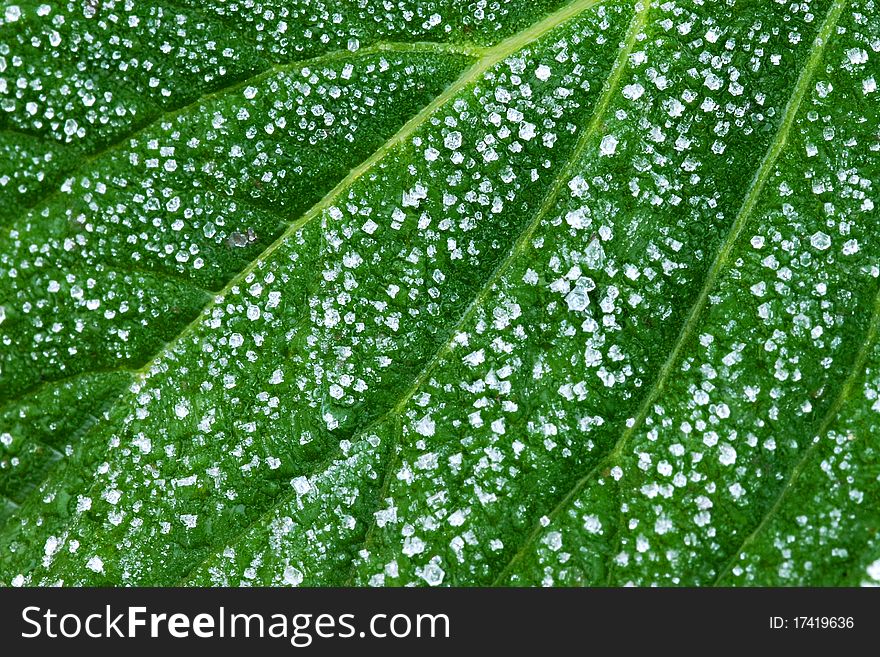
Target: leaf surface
544	293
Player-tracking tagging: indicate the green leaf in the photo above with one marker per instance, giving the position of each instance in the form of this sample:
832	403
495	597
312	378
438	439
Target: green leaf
454	293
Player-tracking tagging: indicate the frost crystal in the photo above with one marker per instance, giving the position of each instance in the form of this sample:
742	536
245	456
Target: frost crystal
608	145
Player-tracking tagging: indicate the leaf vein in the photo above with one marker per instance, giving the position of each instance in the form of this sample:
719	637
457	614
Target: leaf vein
39	387
519	245
858	368
232	84
610	87
694	315
490	58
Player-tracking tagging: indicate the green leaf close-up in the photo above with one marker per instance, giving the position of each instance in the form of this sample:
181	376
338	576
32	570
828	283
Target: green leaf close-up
440	292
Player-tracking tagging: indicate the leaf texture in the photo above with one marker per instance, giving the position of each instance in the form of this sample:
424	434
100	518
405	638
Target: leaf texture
530	293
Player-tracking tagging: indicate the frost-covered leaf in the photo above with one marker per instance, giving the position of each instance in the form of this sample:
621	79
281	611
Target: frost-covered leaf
440	292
